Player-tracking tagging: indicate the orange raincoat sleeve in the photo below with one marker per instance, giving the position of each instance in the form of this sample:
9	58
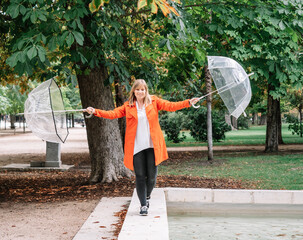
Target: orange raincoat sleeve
116	113
171	106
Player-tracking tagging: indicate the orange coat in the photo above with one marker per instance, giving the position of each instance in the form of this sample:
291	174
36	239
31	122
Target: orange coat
132	121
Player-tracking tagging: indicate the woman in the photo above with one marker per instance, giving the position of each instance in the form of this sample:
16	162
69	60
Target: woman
144	146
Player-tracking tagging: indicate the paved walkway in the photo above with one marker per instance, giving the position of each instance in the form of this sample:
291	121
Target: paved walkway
101	222
28	143
20	143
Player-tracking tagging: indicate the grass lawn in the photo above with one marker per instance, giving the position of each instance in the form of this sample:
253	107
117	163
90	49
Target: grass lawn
262	171
255	135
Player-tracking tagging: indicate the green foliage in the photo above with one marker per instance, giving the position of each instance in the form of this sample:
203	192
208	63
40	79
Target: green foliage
5	103
243	122
71	97
11	99
295	126
172	123
198	125
265	37
65	39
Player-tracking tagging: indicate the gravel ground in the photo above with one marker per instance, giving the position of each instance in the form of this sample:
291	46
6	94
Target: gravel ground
47	221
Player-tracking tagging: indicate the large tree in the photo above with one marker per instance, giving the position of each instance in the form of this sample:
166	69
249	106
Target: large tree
65	39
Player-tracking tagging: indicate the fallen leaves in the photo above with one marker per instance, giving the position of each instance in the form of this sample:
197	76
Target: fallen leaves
47	186
121	214
54	186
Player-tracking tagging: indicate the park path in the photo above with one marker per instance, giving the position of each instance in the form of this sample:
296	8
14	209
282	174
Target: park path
28	143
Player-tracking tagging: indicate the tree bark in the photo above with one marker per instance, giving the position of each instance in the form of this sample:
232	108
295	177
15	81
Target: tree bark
234	122
119	102
12	120
301	118
263	119
73	120
103	135
255	119
272	127
209	120
280	139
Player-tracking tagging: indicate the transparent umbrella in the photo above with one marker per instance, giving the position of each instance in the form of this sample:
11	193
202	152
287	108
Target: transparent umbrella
45	114
232	84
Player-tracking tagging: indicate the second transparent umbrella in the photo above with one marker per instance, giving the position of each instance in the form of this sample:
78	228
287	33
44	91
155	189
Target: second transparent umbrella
45	114
232	83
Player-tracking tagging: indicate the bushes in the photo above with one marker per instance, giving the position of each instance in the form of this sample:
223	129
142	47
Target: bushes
294	125
195	120
172	123
243	122
198	125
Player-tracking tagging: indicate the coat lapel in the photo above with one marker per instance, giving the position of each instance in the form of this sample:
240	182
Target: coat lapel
133	111
148	108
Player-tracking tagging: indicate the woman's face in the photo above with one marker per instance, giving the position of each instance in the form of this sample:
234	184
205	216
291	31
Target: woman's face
140	92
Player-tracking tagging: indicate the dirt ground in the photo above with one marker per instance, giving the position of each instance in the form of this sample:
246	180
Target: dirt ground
54	205
47	221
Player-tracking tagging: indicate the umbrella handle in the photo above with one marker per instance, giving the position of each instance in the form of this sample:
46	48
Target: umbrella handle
197	101
89	116
195	106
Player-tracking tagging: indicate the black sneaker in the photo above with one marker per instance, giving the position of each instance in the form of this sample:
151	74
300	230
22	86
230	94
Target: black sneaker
144	211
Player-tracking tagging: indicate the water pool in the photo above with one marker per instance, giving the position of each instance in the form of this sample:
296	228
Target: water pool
234	221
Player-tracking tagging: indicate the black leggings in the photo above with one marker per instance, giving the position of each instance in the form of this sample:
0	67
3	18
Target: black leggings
146	173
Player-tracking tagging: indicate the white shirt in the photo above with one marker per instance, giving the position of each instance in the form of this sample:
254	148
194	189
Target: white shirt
143	139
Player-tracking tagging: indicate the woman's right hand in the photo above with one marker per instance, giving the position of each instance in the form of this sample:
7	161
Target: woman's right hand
90	110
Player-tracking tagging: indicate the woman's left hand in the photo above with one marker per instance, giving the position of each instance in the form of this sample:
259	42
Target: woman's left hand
193	101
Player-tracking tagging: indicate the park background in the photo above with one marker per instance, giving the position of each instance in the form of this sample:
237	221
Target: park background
96	52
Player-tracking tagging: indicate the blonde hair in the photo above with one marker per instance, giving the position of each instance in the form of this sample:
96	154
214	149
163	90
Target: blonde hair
132	97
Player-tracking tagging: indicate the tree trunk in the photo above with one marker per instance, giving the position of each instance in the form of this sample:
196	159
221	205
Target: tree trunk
227	119
103	135
209	120
301	118
280	140
12	120
263	119
255	119
234	122
23	120
119	102
73	120
272	127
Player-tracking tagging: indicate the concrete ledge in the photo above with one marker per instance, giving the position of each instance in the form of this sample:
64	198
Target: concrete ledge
99	224
151	227
188	195
27	167
155	225
234	196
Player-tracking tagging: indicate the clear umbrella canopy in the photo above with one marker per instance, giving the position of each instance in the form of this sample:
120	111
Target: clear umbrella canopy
45	114
232	83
